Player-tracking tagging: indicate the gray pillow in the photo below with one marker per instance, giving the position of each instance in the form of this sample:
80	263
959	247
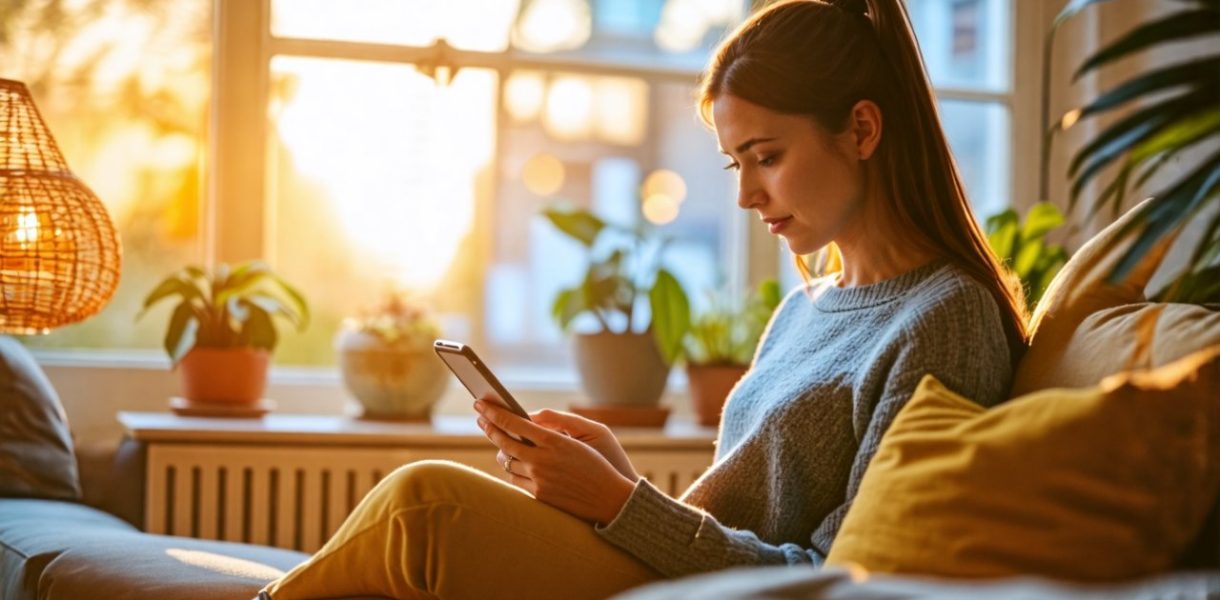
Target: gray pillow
36	458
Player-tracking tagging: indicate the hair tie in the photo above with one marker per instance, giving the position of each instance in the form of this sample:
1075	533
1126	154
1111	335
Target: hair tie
855	7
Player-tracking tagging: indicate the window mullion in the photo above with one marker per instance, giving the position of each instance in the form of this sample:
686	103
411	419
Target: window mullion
237	160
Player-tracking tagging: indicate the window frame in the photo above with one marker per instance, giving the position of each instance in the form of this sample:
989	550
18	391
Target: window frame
235	173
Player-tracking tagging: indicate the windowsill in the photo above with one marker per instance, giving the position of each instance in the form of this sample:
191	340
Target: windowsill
525	379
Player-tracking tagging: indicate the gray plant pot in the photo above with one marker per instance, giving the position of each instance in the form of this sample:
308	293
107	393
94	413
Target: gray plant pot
620	369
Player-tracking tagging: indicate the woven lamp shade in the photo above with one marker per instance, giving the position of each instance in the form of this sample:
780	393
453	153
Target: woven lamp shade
59	252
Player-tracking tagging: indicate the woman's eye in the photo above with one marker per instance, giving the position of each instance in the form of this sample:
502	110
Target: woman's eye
767	161
733	166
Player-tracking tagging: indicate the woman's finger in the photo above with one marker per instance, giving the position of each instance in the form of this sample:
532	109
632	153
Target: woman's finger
511	423
506	443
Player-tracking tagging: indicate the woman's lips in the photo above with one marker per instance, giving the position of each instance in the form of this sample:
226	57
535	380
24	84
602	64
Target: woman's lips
778	225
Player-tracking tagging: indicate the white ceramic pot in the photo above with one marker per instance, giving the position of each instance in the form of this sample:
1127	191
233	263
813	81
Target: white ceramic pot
390	381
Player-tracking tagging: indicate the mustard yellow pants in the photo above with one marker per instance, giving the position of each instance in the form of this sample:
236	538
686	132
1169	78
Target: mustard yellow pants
437	529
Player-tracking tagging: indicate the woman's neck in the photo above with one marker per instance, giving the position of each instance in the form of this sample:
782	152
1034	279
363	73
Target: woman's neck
877	250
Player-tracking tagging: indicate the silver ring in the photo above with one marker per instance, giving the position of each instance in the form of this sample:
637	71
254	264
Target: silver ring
508	465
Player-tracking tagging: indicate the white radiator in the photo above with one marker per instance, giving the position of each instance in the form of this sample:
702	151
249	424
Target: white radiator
296	498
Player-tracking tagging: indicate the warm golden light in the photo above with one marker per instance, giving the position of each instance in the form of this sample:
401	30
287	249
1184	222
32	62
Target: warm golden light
482	25
551	25
660	209
664	181
621	115
524	93
27	228
542	174
684	23
1070	119
569	108
396	155
219	563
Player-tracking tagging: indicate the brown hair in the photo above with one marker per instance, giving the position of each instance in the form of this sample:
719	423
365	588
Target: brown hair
819	58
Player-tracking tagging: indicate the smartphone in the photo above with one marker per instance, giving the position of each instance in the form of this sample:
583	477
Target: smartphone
478	379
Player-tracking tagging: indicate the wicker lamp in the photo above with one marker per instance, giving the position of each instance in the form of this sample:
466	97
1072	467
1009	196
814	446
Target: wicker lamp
59	252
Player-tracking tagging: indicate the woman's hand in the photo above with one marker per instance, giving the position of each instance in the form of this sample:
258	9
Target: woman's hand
596	435
559	470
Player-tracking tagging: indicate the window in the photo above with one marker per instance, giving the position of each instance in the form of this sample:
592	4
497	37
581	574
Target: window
124	88
368	144
417	150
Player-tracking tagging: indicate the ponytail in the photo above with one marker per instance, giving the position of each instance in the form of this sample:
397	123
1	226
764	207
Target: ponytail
819	58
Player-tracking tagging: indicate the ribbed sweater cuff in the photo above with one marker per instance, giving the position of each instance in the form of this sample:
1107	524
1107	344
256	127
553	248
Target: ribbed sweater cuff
651	523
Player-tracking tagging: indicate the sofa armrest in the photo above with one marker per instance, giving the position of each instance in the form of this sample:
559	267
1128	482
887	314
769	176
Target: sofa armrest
112	478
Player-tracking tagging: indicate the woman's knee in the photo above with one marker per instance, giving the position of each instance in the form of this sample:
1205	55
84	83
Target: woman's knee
429	481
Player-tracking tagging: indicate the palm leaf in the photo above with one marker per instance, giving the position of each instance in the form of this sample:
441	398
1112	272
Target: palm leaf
1170	209
1204	73
1137	126
1174	28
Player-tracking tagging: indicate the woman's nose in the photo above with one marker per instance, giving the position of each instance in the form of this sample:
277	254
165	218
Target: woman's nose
749	196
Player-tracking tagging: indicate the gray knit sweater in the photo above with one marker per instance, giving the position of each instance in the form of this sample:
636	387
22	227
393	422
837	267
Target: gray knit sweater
798	431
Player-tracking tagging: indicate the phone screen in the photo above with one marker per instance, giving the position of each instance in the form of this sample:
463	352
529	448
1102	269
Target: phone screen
476	377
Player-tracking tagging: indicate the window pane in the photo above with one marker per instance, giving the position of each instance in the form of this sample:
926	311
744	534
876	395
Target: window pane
674	33
965	43
375	172
597	166
124	89
404	22
979	138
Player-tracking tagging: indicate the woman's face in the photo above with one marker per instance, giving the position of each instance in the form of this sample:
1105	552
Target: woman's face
805	183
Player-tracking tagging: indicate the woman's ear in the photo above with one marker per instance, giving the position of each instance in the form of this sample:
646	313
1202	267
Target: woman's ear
866	126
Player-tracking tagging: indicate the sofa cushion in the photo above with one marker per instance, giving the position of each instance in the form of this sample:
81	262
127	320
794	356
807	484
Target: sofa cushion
36	459
1076	338
59	550
1123	338
1097	484
796	583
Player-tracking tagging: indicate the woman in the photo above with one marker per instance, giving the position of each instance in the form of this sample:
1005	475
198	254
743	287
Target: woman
826	114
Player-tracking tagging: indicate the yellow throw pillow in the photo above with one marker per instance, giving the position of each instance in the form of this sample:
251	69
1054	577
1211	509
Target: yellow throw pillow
1092	484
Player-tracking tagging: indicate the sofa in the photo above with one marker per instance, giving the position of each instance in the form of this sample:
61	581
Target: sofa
69	519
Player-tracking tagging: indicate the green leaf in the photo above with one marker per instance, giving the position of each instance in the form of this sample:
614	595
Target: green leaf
1174	28
259	331
173	285
770	294
568	304
297	298
1027	257
1201	73
180	335
580	225
1002	230
1185	132
670	315
1041	219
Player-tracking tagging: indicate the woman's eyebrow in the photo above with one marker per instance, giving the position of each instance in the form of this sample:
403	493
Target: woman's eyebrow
742	147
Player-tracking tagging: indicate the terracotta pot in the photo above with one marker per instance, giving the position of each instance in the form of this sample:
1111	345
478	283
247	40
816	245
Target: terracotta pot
709	388
390	381
224	375
620	369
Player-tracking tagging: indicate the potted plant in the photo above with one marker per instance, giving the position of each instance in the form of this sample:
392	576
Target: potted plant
721	344
1177	112
222	330
1023	246
624	359
387	361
